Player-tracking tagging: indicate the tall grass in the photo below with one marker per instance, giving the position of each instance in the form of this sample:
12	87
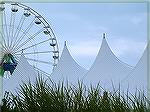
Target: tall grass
51	97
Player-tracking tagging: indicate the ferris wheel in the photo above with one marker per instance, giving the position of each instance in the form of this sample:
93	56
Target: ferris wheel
25	31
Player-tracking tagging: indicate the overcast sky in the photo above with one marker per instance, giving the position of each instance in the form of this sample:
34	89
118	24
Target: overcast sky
82	25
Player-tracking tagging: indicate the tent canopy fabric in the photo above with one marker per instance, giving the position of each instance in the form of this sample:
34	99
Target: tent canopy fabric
137	78
107	69
67	69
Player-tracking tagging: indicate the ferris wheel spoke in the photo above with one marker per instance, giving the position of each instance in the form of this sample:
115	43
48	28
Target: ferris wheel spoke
12	28
5	19
18	29
3	47
19	26
40	61
34	45
10	25
28	40
25	32
3	35
3	43
43	52
3	40
17	57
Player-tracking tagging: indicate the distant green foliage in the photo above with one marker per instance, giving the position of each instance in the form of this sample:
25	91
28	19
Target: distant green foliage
52	97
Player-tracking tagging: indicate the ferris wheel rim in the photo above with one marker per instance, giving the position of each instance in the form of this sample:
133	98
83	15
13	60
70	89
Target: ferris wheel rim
46	25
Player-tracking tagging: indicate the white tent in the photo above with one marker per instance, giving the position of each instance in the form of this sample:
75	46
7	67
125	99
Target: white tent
137	79
23	73
107	69
67	69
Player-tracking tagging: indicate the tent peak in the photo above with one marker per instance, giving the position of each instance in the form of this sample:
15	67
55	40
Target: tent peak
104	35
65	43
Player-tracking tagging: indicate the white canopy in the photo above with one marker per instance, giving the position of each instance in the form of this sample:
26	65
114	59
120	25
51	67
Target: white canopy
137	79
67	69
23	73
107	69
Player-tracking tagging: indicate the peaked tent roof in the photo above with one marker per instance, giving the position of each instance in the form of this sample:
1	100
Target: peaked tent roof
137	79
23	73
67	69
107	69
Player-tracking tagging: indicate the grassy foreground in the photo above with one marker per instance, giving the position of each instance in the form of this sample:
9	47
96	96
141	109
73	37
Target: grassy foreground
52	97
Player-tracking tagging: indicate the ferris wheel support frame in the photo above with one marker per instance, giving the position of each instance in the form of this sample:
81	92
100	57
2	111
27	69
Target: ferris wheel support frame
47	30
1	70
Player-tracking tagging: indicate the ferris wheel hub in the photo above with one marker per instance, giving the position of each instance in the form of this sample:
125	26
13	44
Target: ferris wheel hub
8	63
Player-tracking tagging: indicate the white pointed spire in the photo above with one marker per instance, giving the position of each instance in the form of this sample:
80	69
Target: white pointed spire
107	68
67	69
